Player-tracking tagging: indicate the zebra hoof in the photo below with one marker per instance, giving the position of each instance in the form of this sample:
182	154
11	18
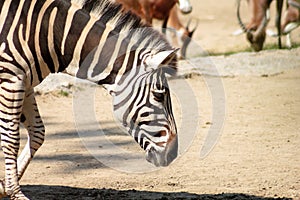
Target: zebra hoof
2	190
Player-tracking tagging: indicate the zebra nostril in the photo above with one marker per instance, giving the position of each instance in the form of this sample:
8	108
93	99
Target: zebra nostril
162	133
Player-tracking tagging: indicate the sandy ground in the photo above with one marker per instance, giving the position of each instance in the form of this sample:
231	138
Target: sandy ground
256	155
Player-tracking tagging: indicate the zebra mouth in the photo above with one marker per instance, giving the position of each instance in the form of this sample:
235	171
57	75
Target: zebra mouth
154	157
162	156
161	144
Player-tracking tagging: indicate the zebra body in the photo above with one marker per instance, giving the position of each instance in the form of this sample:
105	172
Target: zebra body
93	40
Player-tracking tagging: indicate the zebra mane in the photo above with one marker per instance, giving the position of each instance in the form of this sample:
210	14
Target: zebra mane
115	14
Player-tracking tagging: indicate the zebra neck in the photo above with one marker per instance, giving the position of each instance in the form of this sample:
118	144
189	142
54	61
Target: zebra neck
109	48
96	44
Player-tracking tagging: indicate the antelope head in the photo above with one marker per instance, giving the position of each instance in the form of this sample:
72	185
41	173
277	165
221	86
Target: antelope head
255	35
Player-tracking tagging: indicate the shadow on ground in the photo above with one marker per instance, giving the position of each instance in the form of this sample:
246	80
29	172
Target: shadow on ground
45	192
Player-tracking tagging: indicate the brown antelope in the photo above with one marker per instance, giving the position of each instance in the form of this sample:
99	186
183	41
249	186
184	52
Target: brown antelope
256	29
158	9
166	10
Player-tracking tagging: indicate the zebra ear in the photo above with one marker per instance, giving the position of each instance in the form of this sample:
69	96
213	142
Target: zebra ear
161	58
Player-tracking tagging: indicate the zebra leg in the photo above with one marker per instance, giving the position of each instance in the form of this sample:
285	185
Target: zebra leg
33	123
11	103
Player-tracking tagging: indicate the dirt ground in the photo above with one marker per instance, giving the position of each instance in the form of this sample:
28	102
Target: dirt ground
256	155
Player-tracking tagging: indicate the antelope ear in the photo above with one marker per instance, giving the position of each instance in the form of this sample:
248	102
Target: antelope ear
161	58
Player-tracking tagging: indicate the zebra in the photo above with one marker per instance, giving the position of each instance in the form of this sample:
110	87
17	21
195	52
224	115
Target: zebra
90	39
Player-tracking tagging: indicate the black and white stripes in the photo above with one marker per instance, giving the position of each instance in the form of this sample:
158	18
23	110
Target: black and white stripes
92	40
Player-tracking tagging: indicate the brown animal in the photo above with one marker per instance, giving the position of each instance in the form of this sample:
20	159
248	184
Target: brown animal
166	10
256	29
158	9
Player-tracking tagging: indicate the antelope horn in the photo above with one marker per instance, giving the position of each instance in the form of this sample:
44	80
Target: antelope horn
189	38
188	25
242	25
264	23
294	3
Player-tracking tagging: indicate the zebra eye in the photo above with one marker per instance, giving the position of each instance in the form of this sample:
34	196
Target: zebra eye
159	95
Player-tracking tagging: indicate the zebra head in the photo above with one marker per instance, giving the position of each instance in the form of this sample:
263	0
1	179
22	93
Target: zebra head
142	103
